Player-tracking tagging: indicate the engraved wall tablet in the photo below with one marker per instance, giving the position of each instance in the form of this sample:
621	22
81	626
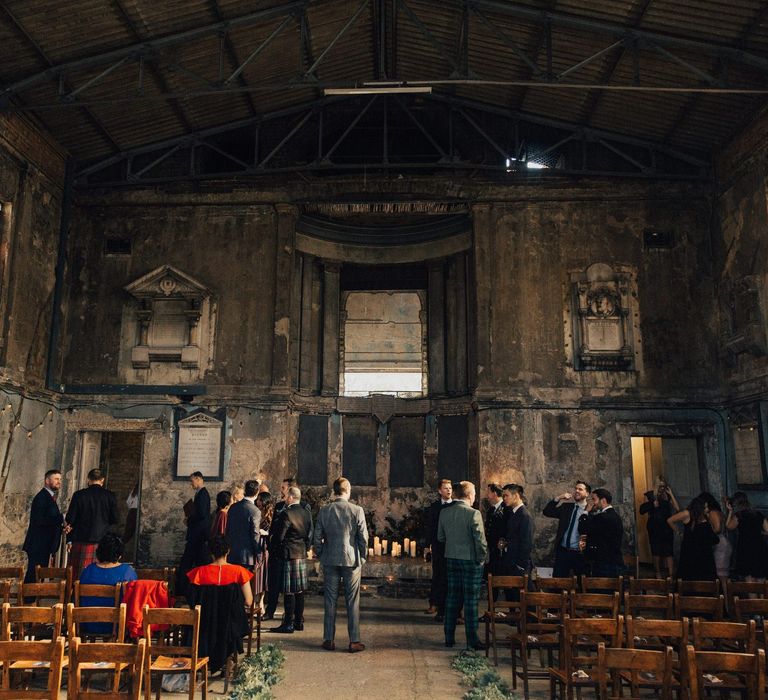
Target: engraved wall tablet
200	446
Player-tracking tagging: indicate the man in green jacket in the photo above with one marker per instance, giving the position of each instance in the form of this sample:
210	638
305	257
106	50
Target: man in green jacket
466	550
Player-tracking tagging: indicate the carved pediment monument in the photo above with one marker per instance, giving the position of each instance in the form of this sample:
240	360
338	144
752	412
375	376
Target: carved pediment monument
170	306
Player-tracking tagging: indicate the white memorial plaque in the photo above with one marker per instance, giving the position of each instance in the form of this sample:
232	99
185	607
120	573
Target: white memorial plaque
199	446
604	335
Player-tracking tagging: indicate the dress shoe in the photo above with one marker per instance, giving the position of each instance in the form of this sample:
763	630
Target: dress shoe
354	647
439	618
328	645
298	626
478	646
450	645
267	616
283	629
431	610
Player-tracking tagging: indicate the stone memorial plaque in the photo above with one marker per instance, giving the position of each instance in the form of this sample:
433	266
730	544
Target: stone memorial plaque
199	446
604	334
746	447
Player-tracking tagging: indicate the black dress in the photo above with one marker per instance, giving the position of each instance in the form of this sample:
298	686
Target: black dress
751	551
660	535
697	560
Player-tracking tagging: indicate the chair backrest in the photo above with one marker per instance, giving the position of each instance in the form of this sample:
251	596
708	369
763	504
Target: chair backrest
632	564
176	618
745	608
657	606
504	583
55	573
656	634
711	635
44	593
698	588
97	590
49	653
594	604
750	666
76	616
601	584
12	576
582	636
650	586
29	620
699	606
655	664
106	653
6	591
554	584
12	572
153	574
542	612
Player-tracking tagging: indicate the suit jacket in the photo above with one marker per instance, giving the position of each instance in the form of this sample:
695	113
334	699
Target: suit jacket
604	532
292	532
461	528
341	534
431	519
91	511
199	520
243	522
516	560
45	523
563	513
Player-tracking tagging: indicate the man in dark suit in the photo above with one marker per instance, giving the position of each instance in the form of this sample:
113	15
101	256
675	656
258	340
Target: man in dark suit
243	522
604	531
45	525
436	548
293	533
568	509
518	534
495	521
91	512
198	515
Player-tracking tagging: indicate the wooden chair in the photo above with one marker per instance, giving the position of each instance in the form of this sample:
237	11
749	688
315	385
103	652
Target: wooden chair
541	618
746	609
661	607
578	653
726	670
698	588
114	657
699	606
22	621
7	594
724	636
166	654
56	573
615	665
594	604
657	635
632	564
50	593
555	585
167	574
12	576
97	590
501	610
254	627
650	586
42	655
600	584
114	616
744	590
12	572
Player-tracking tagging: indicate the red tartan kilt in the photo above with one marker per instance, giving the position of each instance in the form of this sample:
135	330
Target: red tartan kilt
81	555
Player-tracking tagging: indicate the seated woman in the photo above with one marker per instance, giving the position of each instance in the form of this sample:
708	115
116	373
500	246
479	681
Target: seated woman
223	592
107	570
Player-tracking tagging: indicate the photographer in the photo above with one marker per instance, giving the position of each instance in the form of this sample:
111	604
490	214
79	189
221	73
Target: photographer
659	506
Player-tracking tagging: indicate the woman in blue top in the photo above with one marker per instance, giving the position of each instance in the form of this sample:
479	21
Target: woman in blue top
106	570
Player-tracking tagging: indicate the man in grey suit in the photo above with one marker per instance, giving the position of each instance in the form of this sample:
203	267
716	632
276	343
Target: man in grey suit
341	543
466	550
243	521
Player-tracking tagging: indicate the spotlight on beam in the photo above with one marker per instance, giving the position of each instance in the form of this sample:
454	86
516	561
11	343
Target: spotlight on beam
380	89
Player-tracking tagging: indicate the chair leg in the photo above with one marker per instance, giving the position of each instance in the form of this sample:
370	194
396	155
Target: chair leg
193	683
524	661
493	637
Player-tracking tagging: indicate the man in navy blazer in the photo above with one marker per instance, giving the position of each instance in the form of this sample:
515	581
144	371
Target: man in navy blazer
45	525
243	523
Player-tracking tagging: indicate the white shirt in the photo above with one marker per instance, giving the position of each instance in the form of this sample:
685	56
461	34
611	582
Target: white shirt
518	507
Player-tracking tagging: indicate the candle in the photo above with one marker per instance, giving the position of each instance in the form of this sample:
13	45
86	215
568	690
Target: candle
377	549
413	549
384	546
394	549
370	552
407	545
376	541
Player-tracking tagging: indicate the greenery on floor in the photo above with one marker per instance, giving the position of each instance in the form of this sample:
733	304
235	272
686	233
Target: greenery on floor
257	674
483	681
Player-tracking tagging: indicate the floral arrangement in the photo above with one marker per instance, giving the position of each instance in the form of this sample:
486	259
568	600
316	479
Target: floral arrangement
483	681
257	674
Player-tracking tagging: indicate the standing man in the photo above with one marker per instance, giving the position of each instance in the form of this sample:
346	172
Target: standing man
436	548
466	550
518	535
91	511
568	509
198	515
605	531
292	537
243	523
45	525
341	543
495	521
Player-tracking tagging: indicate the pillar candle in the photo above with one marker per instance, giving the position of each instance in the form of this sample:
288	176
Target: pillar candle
377	549
384	546
413	549
375	541
370	551
407	545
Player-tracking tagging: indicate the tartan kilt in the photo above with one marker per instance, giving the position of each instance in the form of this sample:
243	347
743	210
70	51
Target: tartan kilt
294	576
81	555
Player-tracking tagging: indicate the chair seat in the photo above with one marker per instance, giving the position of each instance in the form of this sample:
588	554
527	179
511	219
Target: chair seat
103	666
176	663
647	680
31	665
575	679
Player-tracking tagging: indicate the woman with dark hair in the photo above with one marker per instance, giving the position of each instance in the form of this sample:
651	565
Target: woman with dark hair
267	508
751	552
220	573
697	559
223	502
107	570
660	506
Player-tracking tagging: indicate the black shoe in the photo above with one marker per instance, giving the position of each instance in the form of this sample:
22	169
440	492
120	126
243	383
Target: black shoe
268	616
283	629
298	626
450	645
439	618
478	646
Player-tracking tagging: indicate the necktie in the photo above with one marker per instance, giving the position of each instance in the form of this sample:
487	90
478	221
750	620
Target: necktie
568	534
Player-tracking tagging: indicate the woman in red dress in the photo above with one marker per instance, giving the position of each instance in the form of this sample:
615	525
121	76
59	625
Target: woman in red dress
220	573
223	502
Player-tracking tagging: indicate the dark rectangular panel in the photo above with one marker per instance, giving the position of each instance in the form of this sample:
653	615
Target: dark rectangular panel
406	451
313	450
452	458
359	454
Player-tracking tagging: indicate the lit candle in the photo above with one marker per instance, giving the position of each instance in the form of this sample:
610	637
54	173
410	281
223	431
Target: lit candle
370	552
384	546
377	549
407	545
376	541
413	549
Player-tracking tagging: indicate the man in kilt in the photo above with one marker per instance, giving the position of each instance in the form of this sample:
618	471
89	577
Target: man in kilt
466	550
91	512
293	532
